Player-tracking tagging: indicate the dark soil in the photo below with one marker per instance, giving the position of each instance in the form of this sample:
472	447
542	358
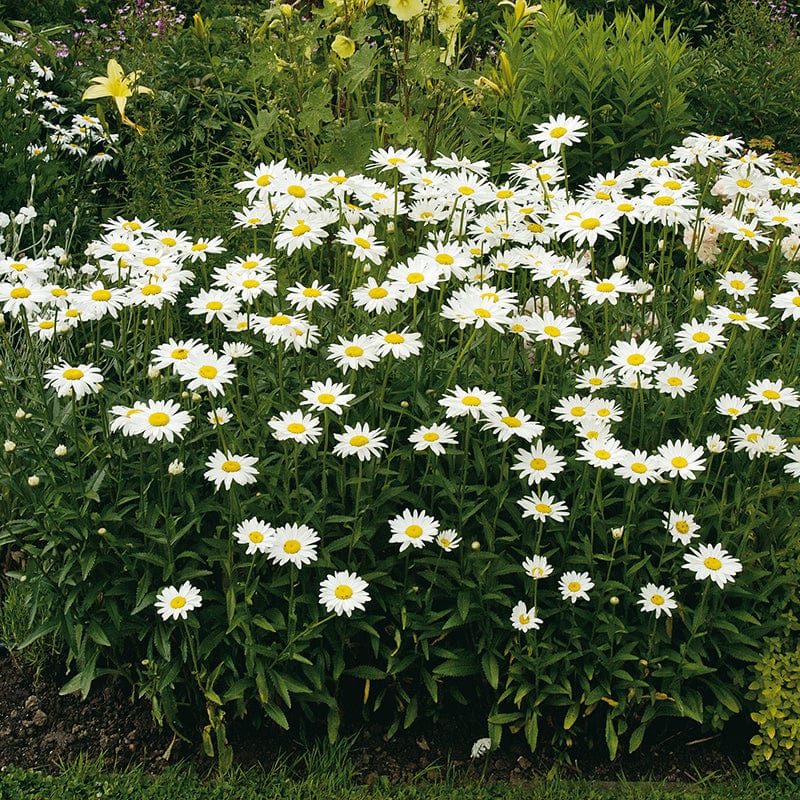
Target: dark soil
41	729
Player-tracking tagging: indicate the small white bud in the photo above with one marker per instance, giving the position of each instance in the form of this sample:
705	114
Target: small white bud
9	446
619	263
614	600
19	413
617	533
33	480
175	467
153	372
583	349
699	295
61	450
476	545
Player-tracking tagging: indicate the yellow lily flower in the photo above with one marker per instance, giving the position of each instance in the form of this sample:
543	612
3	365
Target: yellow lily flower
118	86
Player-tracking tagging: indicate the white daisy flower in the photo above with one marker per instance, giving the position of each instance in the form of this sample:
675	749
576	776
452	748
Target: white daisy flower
537	567
657	599
295	544
256	534
360	440
342	592
227	468
433	438
173	603
524	619
413	529
575	586
712	561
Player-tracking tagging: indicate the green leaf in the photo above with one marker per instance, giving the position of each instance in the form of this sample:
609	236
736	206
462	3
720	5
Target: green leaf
612	740
491	669
276	715
636	738
572	715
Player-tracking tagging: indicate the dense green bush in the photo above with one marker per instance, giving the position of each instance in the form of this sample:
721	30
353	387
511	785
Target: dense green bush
748	77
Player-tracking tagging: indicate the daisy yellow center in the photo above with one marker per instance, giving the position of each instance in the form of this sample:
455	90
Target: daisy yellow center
291	546
524	619
535	227
517	328
639	468
635	359
700	336
415	277
538	463
180	353
682	526
151	261
295	427
601	412
362	242
250	283
733	411
20	293
558	132
72	374
602	195
256	537
46	324
413	531
737	284
753	437
431	436
58	292
659	162
504	194
771	394
198	247
326	399
249	264
72	313
796	301
151	289
213	305
493	296
466	190
279	319
679	462
590	223
296	191
101	295
231	466
577	411
120	247
377	292
603	454
574	586
625	207
483	313
358	441
444	542
169	241
787	181
158	419
543	508
178	602
343	592
300	229
743	183
444	258
379	196
551	330
609	182
537	572
354	351
264	180
595	381
337	179
674	185
605	286
657	600
663	200
511	422
394	338
207	371
736	317
712	563
747	232
674	381
471	400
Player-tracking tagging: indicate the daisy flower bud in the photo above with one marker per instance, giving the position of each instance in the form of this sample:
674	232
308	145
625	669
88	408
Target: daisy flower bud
33	481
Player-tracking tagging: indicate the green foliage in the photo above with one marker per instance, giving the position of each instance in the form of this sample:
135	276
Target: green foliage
776	746
629	79
17	622
759	55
